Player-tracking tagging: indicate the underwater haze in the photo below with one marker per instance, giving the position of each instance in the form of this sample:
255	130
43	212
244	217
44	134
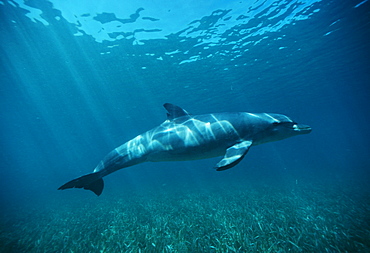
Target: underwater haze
80	78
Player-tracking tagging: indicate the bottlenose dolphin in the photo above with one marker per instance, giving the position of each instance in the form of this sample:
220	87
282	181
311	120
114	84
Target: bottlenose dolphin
185	137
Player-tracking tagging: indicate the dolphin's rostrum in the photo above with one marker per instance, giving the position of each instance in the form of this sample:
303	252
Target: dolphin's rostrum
191	137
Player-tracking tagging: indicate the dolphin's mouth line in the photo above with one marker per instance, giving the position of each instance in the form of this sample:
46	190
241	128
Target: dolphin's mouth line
302	128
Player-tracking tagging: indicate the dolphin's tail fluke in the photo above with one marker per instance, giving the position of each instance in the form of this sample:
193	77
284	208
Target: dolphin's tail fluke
92	182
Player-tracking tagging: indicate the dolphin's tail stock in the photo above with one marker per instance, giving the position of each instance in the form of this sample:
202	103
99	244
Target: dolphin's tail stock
92	182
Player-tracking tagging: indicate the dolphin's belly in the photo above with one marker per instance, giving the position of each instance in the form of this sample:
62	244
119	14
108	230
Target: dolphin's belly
184	154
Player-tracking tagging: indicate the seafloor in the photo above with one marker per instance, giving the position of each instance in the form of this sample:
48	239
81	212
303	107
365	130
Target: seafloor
223	218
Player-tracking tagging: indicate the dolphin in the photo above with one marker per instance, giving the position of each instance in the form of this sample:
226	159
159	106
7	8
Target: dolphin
185	137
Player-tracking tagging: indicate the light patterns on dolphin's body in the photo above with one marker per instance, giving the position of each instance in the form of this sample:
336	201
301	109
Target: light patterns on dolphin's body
190	137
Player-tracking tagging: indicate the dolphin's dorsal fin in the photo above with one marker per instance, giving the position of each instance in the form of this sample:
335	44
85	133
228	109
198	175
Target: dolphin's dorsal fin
174	111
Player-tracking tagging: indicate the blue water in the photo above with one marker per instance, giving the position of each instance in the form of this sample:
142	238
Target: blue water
79	79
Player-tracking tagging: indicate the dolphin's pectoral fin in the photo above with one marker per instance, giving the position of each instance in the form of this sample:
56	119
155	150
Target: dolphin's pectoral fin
92	182
234	155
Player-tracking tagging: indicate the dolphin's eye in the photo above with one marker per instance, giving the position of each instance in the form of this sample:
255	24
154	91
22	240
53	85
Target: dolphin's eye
275	123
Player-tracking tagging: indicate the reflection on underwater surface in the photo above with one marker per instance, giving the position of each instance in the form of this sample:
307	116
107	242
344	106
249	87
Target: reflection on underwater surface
222	218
